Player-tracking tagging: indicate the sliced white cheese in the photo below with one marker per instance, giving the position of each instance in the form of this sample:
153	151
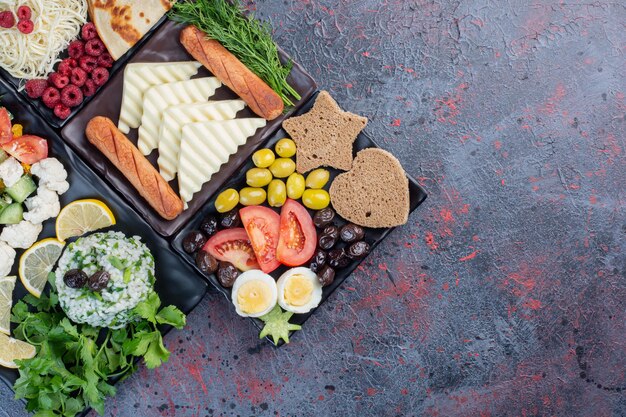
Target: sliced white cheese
206	146
139	77
175	117
160	97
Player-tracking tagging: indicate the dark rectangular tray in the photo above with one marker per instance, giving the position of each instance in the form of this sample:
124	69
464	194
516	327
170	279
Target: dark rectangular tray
372	236
164	46
47	113
176	282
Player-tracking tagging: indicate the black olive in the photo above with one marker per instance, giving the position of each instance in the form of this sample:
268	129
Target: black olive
230	219
193	241
326	276
227	274
323	217
351	233
337	258
206	262
318	261
99	281
329	237
358	250
75	278
209	226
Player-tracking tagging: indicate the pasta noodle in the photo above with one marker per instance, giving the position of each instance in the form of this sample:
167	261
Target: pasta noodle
57	23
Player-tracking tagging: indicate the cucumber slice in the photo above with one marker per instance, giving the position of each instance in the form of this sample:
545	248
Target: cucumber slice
20	191
12	214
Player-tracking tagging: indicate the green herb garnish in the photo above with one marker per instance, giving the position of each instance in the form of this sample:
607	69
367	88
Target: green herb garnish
277	325
245	37
75	363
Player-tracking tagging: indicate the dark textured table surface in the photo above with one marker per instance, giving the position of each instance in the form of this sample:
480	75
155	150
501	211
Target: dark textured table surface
504	294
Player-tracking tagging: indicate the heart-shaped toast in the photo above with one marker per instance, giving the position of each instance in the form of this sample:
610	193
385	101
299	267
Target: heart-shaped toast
374	193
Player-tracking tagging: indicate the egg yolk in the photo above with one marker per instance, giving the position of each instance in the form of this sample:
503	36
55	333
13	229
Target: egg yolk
253	297
298	291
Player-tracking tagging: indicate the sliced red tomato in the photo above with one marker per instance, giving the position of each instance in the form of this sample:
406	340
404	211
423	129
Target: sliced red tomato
262	225
298	238
232	245
5	126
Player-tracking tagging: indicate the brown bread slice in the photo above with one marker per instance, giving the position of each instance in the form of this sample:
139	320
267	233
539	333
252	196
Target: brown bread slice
375	193
324	135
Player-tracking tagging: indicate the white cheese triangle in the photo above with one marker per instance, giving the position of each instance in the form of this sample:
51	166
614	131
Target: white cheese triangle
173	120
206	146
139	77
160	97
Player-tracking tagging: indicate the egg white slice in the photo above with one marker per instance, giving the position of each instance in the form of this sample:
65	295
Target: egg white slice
264	280
316	292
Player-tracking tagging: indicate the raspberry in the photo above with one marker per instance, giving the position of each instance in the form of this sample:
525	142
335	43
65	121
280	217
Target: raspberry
76	49
7	20
79	76
35	88
26	26
61	111
51	97
65	67
58	80
105	60
88	31
100	76
89	89
24	13
88	63
95	47
71	96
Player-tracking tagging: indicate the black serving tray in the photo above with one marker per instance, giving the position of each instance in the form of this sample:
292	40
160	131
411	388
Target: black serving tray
238	181
165	46
47	113
176	282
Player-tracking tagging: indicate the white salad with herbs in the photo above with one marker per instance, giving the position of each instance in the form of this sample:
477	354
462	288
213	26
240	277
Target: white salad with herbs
101	278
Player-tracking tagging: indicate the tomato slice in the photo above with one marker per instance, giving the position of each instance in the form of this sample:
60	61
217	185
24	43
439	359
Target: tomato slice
27	149
298	238
232	245
262	225
5	126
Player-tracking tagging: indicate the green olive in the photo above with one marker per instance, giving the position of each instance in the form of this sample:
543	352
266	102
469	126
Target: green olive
317	178
263	158
276	193
286	148
295	186
258	177
283	167
227	200
251	196
315	199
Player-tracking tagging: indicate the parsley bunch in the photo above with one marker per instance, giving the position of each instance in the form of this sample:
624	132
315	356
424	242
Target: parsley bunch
76	363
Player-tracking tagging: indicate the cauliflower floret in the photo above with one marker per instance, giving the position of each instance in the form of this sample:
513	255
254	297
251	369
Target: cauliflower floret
21	235
52	174
7	258
42	206
11	171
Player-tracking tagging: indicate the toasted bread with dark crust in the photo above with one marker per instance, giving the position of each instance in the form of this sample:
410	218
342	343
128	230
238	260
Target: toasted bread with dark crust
375	193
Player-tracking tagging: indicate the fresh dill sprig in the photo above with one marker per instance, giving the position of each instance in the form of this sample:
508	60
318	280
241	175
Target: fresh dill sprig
245	37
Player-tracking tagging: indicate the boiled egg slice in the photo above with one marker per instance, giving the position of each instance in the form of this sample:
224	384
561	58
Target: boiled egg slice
299	290
254	293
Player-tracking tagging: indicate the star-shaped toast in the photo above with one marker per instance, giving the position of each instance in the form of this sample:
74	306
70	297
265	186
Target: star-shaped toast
324	135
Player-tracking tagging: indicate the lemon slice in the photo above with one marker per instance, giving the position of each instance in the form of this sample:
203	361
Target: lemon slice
37	262
82	216
6	301
12	349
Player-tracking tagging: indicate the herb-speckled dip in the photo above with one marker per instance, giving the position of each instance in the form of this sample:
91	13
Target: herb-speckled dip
131	267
